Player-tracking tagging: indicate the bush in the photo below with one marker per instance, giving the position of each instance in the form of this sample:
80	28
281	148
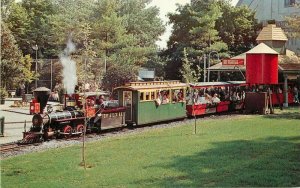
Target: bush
3	93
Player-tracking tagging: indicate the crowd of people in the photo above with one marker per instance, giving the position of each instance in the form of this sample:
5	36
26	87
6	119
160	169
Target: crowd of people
215	95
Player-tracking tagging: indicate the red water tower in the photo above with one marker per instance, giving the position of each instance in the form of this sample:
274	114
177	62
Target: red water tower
262	65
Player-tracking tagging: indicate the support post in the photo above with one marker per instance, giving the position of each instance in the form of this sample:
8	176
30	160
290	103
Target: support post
219	76
204	72
51	72
285	91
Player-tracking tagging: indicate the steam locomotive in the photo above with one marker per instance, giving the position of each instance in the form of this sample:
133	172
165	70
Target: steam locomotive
91	108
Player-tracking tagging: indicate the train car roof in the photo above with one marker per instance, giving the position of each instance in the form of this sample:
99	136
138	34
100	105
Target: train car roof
216	84
136	86
207	84
95	93
237	82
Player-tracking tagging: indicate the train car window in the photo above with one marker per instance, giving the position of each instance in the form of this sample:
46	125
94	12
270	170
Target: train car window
141	96
165	96
147	96
177	95
153	95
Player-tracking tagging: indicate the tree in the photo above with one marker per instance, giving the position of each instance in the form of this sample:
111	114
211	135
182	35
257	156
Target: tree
69	21
206	26
14	68
118	75
237	28
188	74
194	29
293	26
28	20
125	33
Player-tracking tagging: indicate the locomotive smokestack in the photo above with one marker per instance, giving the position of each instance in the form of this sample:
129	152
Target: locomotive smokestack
42	95
69	67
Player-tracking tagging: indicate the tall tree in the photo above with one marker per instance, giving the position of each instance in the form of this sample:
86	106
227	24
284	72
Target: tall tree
14	68
237	28
29	23
194	29
189	75
206	26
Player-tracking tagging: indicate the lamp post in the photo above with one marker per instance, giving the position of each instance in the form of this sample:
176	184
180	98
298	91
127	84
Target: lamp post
36	49
209	62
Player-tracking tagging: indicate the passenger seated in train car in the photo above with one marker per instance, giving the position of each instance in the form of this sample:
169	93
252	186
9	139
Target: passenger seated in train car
180	96
158	99
190	98
175	96
208	98
201	100
165	99
222	95
234	97
216	99
195	96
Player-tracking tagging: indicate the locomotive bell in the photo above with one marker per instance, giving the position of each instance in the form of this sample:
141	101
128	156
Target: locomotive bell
42	95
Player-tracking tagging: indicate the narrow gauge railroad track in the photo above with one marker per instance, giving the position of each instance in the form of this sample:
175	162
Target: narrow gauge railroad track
11	147
16	147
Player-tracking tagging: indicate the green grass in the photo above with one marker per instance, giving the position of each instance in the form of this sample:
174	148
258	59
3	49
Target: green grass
248	150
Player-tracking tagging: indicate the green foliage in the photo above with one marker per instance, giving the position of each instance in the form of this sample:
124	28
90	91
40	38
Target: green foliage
118	75
15	68
3	93
111	29
294	24
29	23
188	74
234	151
237	28
10	55
206	26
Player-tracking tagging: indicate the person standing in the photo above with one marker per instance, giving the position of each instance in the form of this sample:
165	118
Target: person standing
296	93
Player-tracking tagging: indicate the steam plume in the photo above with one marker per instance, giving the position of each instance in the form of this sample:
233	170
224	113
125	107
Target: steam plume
69	67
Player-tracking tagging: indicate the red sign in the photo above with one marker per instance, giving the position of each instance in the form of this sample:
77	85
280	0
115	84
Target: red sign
233	62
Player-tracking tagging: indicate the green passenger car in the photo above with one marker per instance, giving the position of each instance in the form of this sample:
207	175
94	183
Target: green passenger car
150	102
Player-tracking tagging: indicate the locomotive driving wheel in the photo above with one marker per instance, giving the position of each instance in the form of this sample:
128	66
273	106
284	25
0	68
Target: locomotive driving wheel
80	129
68	131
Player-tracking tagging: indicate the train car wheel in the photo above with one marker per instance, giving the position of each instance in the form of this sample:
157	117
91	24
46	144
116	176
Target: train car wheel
80	129
68	131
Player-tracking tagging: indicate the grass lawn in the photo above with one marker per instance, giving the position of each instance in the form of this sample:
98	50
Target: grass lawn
249	150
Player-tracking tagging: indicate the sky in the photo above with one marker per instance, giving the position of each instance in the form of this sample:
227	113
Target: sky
166	6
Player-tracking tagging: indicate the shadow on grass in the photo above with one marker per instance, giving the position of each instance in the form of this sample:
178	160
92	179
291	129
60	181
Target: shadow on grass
284	115
268	162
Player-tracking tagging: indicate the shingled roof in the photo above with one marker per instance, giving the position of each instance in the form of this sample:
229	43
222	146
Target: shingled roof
289	67
271	32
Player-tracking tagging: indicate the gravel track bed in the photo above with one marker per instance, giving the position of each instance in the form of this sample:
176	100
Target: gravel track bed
59	143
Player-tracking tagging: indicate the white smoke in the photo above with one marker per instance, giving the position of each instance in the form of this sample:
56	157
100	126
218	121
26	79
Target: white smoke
69	67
